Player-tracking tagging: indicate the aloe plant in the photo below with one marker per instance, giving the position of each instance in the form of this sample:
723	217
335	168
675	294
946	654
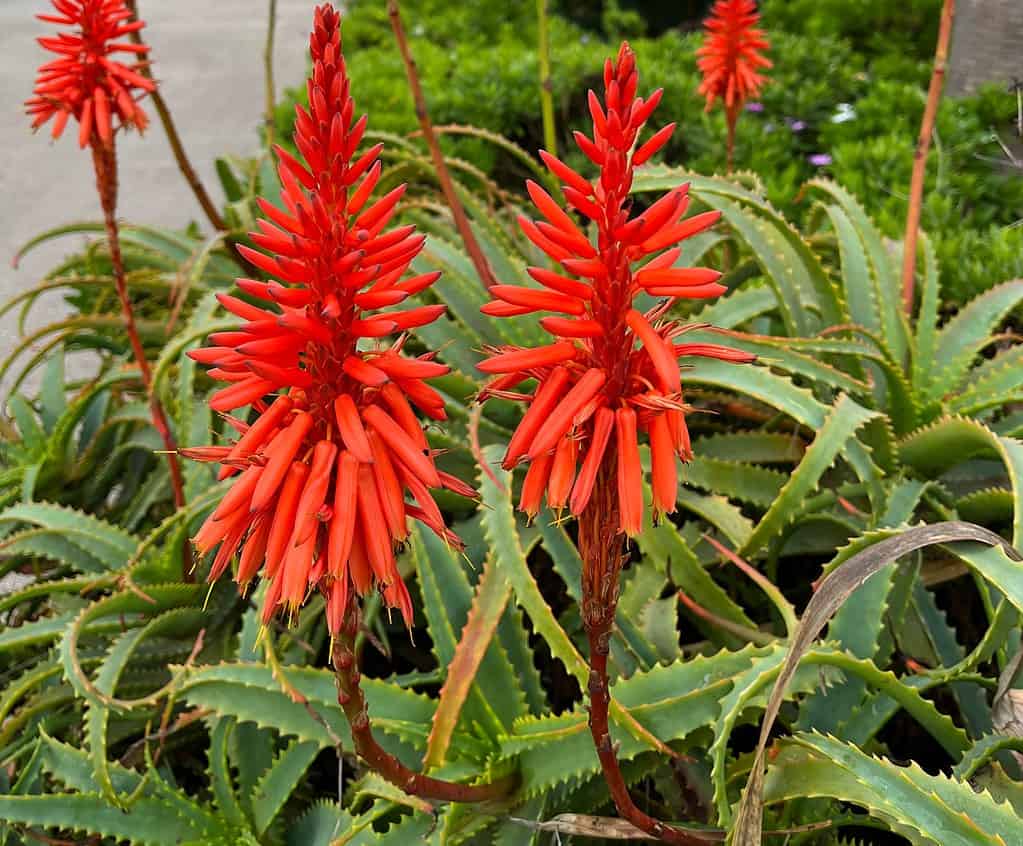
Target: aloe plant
135	708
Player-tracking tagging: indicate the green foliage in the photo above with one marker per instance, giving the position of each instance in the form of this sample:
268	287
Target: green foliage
849	81
923	808
874	27
968	178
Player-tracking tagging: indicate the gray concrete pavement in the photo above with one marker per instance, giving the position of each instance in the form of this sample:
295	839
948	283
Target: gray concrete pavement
208	60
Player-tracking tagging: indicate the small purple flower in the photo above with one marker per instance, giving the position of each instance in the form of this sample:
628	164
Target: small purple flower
795	125
755	107
820	159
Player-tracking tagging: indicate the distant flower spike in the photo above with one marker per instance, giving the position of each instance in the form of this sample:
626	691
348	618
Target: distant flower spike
611	370
323	471
87	82
730	58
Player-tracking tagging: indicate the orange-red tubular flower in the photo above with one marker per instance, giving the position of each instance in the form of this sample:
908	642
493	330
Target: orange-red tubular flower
730	58
323	470
87	81
612	371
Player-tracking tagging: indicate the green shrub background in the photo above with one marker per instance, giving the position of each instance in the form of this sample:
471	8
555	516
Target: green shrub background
479	66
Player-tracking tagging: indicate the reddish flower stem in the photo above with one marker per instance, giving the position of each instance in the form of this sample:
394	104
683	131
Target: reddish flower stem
731	118
923	146
472	246
602	547
184	165
104	159
353	702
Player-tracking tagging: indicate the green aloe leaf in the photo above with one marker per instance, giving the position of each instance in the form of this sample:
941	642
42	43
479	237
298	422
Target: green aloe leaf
502	536
108	543
993	384
840	582
935	449
751	447
831	440
149	822
882	273
784	395
278	783
218	768
177	621
925	809
960	341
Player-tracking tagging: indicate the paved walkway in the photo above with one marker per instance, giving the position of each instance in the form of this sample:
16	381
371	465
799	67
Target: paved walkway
208	59
986	36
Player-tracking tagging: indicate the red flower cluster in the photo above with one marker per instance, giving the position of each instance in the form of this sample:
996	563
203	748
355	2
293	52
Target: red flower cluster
323	471
85	82
593	384
730	56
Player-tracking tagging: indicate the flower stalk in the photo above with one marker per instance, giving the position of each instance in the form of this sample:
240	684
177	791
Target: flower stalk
353	703
104	159
923	146
602	547
174	139
472	246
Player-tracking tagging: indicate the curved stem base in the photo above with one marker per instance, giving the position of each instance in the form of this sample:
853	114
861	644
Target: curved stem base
602	547
353	702
600	698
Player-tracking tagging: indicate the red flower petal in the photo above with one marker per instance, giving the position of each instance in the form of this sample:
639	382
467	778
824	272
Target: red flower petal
660	351
404	448
342	525
561	418
389	489
566	174
562	473
351	429
603	423
630	473
533	485
547	396
677	276
257	434
561	284
284	448
528	359
650	148
568	328
662	465
283	523
315	492
537	300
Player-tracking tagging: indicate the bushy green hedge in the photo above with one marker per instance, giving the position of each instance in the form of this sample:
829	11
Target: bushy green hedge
849	83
